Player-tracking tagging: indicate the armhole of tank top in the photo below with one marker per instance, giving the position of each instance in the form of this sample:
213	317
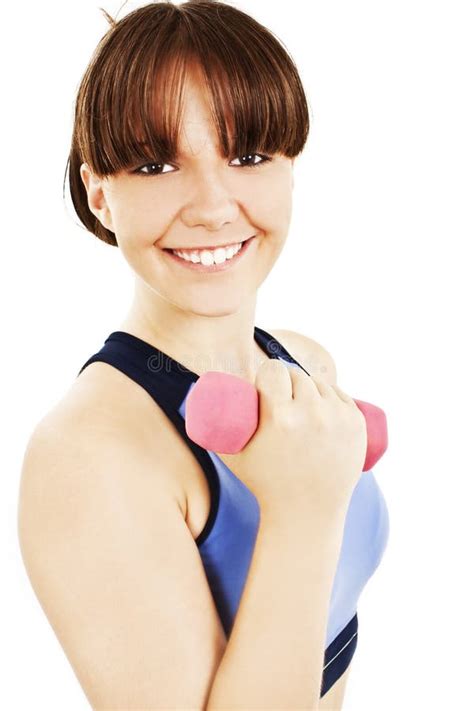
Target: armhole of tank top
214	489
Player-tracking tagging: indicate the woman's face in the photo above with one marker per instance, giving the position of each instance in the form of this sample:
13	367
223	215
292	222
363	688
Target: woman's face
203	200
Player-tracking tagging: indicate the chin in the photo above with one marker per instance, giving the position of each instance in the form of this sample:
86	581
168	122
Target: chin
200	305
213	310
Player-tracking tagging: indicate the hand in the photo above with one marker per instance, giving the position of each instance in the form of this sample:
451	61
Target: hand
309	448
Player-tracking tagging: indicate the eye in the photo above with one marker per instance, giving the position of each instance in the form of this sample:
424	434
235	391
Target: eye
246	159
248	164
138	171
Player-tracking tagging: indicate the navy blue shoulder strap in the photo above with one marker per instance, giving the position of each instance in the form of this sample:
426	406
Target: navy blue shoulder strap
273	347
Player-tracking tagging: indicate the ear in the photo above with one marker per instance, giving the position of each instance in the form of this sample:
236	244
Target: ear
96	199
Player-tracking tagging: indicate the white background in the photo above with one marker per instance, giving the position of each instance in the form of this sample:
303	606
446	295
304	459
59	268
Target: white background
377	268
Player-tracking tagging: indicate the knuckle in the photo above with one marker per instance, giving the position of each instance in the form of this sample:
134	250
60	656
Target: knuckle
266	370
270	365
284	418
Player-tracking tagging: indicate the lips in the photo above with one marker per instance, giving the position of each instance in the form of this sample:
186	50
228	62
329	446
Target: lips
224	266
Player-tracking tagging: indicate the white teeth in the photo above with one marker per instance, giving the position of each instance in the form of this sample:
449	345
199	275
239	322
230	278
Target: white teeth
208	257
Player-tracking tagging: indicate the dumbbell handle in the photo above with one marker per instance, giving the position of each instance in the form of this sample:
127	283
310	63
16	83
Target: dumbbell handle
222	416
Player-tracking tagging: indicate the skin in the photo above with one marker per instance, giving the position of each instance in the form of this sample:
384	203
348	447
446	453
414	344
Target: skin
205	321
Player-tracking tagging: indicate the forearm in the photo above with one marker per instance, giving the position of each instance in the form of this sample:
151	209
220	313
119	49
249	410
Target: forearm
275	654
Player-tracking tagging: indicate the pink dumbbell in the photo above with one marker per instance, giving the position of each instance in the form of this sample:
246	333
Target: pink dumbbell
222	416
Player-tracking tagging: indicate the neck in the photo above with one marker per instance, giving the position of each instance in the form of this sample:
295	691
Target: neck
223	343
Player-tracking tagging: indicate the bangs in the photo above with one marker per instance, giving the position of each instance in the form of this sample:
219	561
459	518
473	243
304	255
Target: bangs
132	95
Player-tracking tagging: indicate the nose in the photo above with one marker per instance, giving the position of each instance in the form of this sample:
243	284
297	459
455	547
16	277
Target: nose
212	204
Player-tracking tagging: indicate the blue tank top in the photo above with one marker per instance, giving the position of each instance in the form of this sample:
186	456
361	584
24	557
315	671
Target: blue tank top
227	540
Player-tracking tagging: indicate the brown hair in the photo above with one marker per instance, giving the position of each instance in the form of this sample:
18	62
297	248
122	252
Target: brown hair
257	99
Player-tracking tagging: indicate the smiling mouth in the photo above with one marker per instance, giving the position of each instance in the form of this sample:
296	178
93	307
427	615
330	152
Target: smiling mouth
205	262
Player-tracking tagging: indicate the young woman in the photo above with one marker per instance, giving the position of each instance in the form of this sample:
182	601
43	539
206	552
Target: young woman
173	576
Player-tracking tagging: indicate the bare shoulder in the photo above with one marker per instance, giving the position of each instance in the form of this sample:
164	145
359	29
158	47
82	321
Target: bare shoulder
105	431
103	396
100	407
104	405
77	481
308	352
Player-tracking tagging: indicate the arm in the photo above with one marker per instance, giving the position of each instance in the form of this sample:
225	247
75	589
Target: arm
116	569
134	614
275	654
263	647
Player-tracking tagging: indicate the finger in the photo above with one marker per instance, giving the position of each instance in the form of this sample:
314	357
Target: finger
323	386
340	393
304	385
274	385
317	383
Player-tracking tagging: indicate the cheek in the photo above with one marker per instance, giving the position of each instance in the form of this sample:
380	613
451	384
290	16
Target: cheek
270	202
140	228
274	214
